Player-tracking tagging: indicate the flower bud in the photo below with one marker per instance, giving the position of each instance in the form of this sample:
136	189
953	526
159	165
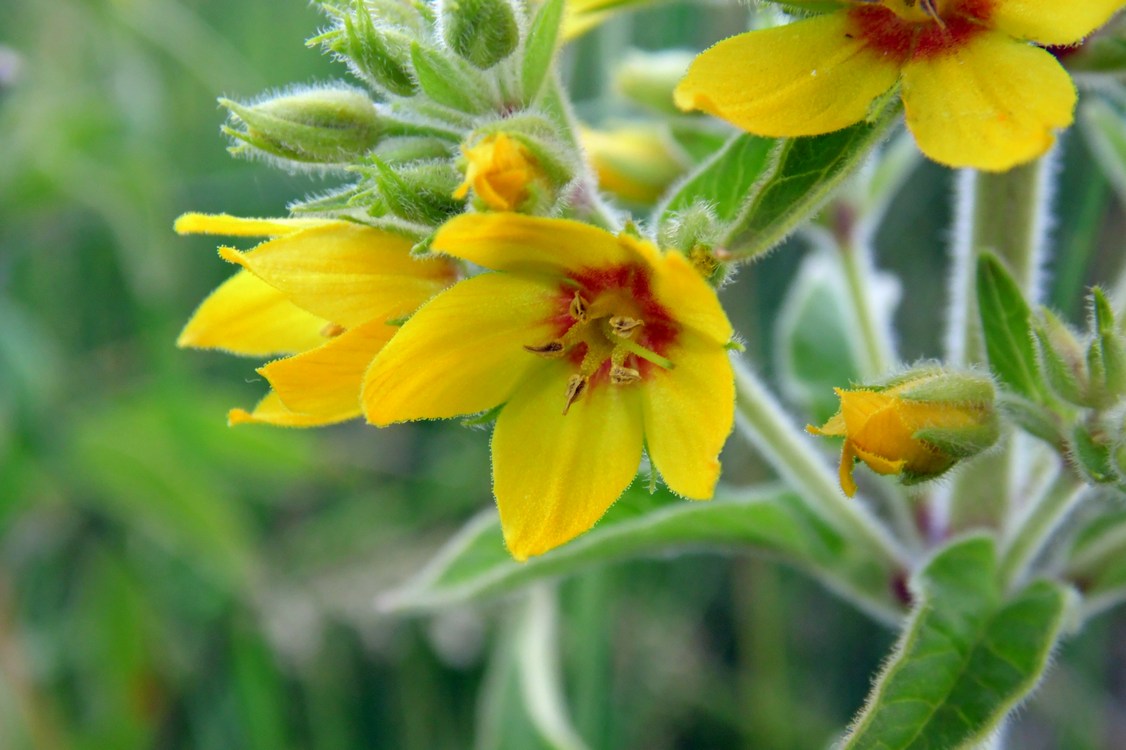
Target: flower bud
419	193
635	162
502	173
320	126
484	32
648	78
917	425
1061	357
1106	356
380	55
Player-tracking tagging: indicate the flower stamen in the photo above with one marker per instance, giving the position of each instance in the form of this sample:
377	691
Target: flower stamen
578	308
552	349
576	384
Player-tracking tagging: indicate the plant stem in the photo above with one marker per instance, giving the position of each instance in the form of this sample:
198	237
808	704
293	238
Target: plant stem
1005	213
856	260
768	427
1036	527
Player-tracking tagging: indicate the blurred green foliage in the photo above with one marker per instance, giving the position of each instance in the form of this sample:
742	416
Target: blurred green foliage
168	582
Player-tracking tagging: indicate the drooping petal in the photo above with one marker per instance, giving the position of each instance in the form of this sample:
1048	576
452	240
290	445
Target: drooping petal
237	226
461	353
681	289
326	381
1052	21
688	413
515	242
272	411
345	272
804	78
247	316
991	104
848	464
554	475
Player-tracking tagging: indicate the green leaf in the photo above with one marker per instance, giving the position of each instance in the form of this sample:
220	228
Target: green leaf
807	172
762	188
1006	323
724	180
475	563
539	48
443	81
967	657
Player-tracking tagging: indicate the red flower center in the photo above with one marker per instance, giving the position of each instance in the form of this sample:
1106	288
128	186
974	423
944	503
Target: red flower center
919	29
610	327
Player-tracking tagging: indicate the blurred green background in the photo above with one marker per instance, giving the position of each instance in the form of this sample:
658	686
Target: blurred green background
168	582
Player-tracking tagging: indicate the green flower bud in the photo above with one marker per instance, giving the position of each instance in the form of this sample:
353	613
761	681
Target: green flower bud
1106	356
318	126
484	32
380	53
648	78
1061	358
419	193
1091	453
917	425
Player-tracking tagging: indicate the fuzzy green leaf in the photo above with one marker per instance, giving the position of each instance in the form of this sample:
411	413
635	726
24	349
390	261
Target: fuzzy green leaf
761	189
539	48
724	180
967	657
475	564
1006	323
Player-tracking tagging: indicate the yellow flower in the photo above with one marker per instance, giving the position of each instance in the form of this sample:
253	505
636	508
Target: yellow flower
596	345
633	162
976	93
321	290
918	428
501	171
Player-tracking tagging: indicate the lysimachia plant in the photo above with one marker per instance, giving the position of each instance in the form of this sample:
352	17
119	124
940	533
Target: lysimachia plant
489	258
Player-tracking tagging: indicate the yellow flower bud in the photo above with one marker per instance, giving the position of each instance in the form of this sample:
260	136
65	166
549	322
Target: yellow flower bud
918	426
634	162
501	171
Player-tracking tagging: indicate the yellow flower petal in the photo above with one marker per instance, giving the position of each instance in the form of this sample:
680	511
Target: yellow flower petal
848	463
688	413
878	463
991	104
681	289
346	273
1052	21
326	381
247	316
461	353
554	475
804	78
514	242
272	411
237	226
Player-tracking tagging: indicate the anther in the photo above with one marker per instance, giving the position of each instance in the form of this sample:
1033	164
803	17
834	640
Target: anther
623	326
332	330
620	375
575	387
930	7
551	349
578	308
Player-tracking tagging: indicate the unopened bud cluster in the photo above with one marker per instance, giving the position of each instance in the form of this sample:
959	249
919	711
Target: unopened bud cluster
1088	371
445	83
